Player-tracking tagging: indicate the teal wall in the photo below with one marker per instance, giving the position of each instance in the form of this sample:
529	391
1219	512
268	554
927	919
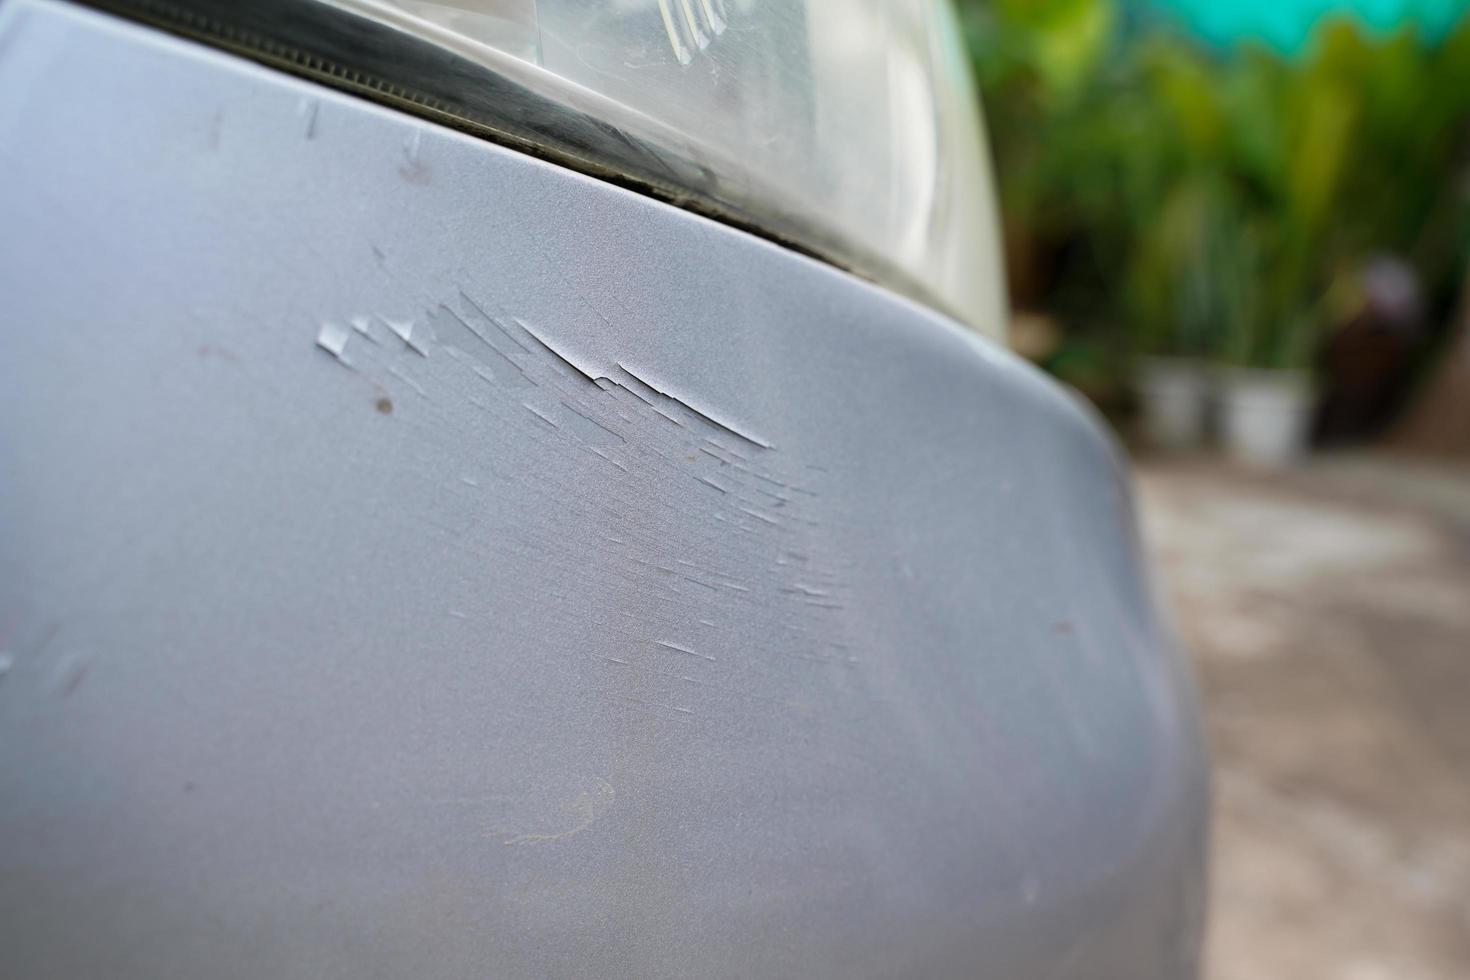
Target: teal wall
1286	24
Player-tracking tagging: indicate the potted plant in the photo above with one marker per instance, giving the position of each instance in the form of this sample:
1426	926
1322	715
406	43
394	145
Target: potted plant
1181	192
1265	407
1297	129
1174	397
1177	310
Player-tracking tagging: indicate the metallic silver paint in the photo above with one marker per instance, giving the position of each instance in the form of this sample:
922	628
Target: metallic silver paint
417	559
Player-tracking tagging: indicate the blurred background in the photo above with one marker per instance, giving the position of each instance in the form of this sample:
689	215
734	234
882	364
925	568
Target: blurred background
1242	229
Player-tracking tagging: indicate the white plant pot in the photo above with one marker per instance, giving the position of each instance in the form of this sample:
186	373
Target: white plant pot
1175	395
1265	414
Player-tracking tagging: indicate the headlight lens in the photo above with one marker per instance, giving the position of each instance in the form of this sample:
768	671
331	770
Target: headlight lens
847	128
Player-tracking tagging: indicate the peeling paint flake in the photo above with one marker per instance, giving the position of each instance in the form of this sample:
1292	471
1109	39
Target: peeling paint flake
557	352
333	338
664	390
404	331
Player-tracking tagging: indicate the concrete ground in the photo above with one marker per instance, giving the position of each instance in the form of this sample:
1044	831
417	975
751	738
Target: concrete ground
1328	611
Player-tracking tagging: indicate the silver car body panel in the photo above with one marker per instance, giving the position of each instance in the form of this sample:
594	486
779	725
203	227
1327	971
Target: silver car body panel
417	559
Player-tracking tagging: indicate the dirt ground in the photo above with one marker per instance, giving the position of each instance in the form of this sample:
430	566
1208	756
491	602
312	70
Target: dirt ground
1328	611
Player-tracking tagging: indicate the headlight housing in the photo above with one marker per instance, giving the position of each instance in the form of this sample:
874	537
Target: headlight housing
845	128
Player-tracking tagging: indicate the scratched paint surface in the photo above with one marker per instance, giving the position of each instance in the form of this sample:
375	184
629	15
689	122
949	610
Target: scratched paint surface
418	560
732	537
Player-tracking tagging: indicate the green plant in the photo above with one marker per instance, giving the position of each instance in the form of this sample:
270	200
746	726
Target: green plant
1192	201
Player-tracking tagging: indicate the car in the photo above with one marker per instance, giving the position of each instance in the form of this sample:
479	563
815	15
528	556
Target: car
525	488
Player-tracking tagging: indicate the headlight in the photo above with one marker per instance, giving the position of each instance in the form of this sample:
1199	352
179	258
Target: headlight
844	128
